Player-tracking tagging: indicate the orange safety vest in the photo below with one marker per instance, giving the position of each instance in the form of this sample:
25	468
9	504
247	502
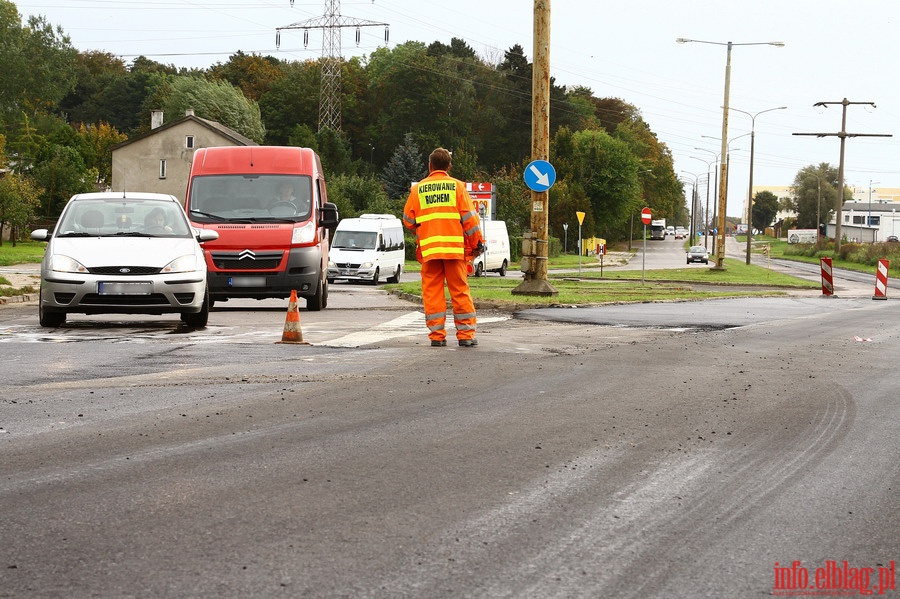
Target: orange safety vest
443	218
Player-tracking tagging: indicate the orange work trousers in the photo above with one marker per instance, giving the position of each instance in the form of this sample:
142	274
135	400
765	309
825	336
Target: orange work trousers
434	274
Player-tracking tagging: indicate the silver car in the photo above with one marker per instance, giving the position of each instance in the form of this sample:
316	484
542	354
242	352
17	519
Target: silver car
123	253
697	253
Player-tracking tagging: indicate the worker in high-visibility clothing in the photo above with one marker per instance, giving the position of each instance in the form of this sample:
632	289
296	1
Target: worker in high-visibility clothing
444	220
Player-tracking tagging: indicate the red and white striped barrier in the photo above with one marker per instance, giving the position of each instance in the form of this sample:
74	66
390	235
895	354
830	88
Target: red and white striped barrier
827	280
881	279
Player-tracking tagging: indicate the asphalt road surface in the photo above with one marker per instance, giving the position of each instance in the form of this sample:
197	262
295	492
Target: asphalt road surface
602	452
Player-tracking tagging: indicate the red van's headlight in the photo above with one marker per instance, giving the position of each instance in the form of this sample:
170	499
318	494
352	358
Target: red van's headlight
304	234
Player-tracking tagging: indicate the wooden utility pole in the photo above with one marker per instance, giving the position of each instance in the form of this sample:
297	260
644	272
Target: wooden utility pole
843	135
535	251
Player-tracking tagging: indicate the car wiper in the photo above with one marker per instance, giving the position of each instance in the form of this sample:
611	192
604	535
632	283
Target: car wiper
208	215
78	234
271	219
129	234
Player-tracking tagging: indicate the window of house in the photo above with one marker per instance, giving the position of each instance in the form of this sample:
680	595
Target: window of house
162	168
189	142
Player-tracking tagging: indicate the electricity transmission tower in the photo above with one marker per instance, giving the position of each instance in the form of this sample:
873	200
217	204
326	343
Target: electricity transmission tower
331	24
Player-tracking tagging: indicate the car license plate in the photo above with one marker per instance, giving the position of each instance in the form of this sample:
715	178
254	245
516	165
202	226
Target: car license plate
246	281
123	288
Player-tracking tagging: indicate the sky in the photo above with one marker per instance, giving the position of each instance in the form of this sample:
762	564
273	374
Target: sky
833	50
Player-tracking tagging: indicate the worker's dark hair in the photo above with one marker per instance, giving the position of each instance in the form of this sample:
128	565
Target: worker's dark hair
439	160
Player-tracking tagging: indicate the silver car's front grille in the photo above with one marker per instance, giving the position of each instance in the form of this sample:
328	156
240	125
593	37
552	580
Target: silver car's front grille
125	271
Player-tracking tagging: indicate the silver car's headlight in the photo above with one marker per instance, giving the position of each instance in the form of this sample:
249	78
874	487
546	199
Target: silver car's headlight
60	263
186	263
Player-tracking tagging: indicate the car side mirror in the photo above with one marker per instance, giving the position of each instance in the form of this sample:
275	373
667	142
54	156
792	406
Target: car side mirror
41	235
206	235
328	215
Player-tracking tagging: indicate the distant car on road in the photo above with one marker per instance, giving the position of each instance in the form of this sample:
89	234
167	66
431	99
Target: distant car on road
893	239
123	253
697	253
681	233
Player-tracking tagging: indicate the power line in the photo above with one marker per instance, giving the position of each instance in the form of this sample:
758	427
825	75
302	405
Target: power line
843	135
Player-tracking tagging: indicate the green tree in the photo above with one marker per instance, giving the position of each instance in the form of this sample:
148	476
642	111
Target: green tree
334	150
214	100
24	143
661	190
35	64
606	171
765	207
303	137
95	148
290	101
409	95
253	74
19	203
95	73
813	194
513	198
355	195
464	164
61	172
405	166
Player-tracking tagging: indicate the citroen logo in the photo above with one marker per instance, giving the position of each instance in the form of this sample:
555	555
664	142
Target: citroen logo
247	254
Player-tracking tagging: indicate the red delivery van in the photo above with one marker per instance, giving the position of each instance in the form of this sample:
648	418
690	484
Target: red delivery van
270	208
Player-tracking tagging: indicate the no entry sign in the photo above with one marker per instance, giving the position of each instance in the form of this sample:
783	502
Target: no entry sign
646	216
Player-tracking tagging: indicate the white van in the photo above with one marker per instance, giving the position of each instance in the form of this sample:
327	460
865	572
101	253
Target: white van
496	255
367	248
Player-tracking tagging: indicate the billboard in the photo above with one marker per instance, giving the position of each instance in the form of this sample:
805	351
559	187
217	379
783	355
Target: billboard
802	235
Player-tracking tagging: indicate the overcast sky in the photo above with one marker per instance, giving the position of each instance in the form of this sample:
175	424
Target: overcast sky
833	50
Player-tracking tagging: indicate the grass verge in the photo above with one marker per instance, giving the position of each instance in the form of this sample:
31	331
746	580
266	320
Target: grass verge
24	252
737	280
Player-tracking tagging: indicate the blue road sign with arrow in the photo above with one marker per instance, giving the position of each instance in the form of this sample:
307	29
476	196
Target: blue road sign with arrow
540	175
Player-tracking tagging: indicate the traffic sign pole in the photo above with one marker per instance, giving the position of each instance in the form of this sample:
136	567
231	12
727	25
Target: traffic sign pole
535	265
646	217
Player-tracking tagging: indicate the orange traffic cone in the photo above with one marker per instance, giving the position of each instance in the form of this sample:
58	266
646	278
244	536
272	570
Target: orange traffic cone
292	333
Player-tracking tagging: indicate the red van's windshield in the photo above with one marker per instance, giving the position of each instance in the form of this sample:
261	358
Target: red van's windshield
219	198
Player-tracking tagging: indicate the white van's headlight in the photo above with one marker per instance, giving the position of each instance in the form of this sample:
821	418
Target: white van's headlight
186	263
60	263
331	264
304	234
366	265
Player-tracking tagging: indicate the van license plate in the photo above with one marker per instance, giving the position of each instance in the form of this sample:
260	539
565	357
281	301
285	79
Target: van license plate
121	288
246	281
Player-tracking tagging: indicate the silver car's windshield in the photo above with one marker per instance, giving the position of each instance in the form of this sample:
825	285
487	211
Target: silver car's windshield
123	217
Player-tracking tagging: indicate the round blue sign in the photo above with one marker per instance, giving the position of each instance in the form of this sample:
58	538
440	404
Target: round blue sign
539	175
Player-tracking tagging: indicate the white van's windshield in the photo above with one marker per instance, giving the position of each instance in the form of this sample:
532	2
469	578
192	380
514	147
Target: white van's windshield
251	198
350	240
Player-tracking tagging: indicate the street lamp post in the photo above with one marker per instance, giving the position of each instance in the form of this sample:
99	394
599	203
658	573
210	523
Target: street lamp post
715	191
694	184
723	192
726	159
709	164
752	149
869	219
565	238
